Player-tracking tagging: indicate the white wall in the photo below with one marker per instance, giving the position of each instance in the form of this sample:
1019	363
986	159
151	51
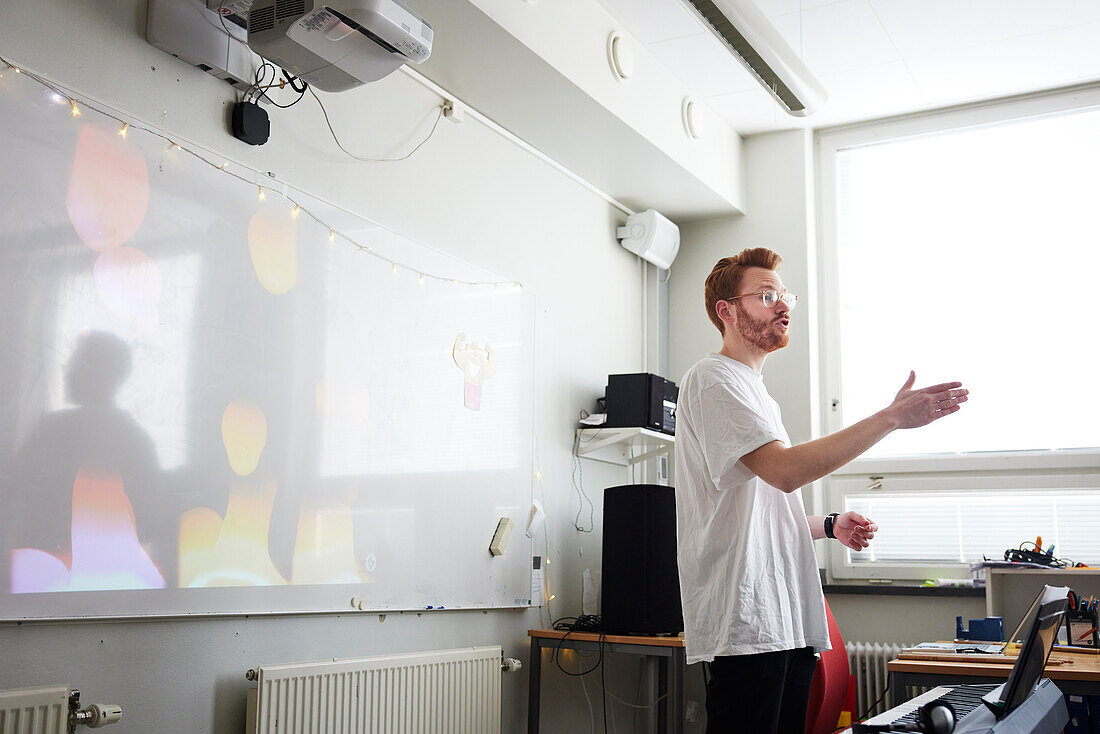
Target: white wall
467	192
777	217
908	619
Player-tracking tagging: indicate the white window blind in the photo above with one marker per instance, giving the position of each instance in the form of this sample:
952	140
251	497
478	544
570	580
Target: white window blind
965	526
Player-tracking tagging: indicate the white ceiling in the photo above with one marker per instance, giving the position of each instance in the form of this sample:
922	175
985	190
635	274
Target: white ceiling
877	58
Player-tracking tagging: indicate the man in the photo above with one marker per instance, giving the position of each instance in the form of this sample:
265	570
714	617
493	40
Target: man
749	581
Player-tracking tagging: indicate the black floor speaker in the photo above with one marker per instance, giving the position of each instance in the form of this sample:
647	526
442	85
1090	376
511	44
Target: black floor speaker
641	585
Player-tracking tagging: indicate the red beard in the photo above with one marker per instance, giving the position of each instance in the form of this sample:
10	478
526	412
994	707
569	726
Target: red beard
761	334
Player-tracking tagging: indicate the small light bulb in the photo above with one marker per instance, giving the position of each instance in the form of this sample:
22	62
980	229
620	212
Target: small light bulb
538	475
332	235
395	268
177	146
17	70
123	129
420	280
262	194
552	597
547	561
519	287
224	165
370	249
294	211
75	109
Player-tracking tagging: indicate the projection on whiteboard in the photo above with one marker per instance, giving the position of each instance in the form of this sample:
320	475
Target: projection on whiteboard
212	401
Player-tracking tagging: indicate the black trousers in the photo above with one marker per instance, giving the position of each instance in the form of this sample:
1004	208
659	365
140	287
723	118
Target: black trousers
760	694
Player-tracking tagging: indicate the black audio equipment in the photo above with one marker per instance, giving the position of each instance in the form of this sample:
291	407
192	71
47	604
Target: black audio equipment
641	584
641	400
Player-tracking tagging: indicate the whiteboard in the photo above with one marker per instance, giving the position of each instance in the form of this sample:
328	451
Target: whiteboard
217	404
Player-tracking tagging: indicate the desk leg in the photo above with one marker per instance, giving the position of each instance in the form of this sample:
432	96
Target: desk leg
898	692
650	680
534	681
662	689
676	692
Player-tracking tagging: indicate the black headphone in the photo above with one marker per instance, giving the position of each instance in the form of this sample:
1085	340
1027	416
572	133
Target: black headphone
935	717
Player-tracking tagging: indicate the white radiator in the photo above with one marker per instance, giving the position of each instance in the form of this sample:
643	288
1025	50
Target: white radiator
867	661
439	692
51	710
40	710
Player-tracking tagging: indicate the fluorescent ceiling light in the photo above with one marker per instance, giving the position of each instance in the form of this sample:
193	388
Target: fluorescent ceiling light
746	31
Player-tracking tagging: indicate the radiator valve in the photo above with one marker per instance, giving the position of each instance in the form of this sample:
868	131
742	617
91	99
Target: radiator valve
93	716
510	665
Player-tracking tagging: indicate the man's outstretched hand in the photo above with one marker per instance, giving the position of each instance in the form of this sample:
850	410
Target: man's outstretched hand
854	530
914	408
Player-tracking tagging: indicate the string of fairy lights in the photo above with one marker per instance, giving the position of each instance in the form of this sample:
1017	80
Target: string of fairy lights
296	208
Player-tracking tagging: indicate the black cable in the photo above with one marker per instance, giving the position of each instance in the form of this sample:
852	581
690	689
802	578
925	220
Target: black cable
876	703
292	81
260	84
1020	554
259	79
583	623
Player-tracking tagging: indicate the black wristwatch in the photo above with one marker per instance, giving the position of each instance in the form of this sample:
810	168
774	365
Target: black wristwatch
829	519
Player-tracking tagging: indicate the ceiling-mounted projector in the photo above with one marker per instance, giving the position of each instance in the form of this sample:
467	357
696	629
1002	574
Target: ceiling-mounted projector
338	44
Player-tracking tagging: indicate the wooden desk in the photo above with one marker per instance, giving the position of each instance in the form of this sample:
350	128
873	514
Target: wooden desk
1082	676
667	652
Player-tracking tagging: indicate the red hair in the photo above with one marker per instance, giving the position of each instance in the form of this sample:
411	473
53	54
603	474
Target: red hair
724	280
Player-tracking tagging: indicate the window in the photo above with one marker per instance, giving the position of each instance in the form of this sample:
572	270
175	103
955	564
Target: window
966	245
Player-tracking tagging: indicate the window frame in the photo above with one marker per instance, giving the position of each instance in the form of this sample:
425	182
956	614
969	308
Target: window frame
1000	483
963	470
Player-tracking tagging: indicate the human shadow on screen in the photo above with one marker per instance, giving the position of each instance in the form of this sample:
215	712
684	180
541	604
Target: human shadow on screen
85	479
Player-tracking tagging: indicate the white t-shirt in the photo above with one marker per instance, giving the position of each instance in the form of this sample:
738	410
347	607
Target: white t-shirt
748	574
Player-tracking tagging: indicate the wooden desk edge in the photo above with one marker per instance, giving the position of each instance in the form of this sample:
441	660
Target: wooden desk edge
651	640
1077	671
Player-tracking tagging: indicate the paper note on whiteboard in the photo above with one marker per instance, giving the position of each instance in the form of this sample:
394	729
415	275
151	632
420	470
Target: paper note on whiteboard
537	516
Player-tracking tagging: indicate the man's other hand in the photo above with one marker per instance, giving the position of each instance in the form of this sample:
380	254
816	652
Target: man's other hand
914	408
854	530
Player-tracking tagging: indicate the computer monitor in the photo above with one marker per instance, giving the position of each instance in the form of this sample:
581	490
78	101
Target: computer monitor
1041	630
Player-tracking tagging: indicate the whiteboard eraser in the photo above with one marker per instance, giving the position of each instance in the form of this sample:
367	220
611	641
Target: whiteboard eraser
500	537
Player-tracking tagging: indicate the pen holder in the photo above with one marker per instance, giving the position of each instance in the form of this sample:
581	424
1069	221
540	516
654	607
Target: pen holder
1081	627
